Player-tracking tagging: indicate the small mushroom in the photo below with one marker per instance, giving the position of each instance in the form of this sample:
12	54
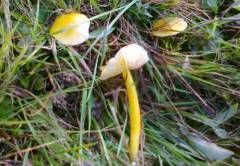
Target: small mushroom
71	28
128	58
168	26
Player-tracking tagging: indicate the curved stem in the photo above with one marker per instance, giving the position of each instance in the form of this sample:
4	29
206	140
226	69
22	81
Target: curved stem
135	117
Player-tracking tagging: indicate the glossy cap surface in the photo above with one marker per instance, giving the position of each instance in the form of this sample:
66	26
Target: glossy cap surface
71	29
168	26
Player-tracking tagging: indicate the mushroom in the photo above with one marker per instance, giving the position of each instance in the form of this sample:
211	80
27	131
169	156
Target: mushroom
71	28
168	26
128	58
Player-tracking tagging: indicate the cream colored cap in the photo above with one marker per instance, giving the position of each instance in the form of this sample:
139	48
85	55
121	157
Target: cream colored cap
168	26
131	57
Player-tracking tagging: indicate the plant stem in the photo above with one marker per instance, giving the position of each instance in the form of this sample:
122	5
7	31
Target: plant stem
135	117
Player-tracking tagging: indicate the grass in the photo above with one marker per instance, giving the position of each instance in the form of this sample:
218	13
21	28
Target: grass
54	110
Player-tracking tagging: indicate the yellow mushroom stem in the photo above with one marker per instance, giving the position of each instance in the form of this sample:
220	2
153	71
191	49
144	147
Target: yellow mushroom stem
134	113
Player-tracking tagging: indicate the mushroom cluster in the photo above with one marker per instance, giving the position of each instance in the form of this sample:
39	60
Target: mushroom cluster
73	29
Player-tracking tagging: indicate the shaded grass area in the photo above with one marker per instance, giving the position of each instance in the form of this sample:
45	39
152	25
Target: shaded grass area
54	110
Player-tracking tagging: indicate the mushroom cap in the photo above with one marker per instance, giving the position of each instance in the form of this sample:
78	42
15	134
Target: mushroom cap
71	29
168	26
131	57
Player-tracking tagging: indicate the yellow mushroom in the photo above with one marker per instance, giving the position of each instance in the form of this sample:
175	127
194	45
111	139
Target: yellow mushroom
130	57
168	26
71	28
